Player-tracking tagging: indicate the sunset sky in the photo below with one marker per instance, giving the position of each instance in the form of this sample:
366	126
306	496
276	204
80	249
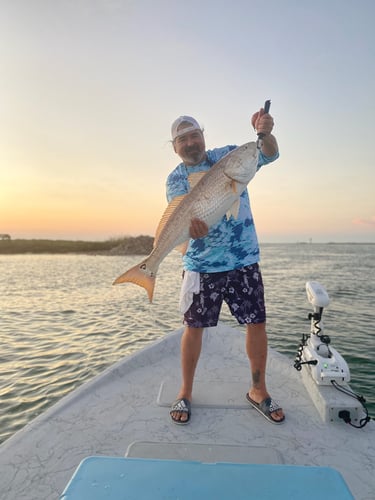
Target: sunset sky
89	89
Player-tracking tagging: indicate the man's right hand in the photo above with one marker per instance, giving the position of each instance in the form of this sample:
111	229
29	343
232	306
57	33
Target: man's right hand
198	228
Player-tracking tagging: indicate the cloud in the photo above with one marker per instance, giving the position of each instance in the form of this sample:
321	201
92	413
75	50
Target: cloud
365	222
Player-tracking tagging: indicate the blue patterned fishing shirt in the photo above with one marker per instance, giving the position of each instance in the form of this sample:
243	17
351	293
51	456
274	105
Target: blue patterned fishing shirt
229	244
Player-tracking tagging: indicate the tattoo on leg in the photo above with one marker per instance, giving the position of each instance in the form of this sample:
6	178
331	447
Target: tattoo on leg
256	378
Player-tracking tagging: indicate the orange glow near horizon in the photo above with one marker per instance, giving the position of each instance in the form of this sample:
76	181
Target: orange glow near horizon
89	95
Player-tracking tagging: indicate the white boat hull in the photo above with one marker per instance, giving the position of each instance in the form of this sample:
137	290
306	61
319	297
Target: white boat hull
126	407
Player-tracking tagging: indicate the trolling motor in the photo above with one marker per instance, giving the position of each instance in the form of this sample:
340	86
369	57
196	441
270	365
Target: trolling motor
324	362
325	373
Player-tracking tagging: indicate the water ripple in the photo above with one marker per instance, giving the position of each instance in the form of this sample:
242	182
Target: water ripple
62	322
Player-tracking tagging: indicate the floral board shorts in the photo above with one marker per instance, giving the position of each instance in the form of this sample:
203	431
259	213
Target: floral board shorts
242	289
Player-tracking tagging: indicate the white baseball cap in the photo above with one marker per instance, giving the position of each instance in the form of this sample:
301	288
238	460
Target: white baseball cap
184	124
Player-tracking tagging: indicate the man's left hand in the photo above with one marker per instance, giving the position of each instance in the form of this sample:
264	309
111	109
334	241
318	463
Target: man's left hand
262	122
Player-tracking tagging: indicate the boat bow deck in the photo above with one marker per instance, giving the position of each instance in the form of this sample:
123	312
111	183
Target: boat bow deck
124	410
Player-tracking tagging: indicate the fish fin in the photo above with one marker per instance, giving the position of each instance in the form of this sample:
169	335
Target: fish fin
195	177
182	247
167	213
234	210
233	185
140	275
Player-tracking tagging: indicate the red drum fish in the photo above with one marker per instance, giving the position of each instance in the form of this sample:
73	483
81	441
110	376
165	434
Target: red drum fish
213	194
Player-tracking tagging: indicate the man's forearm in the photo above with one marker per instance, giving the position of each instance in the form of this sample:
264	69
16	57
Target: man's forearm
269	145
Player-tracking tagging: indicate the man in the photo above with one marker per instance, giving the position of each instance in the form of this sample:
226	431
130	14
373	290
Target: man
226	257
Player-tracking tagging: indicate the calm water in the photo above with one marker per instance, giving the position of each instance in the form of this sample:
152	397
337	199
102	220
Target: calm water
62	322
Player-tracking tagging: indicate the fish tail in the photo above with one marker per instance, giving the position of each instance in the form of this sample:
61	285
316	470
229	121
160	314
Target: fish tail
140	275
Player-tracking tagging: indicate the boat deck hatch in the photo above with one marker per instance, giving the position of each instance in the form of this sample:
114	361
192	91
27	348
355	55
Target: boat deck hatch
208	394
205	452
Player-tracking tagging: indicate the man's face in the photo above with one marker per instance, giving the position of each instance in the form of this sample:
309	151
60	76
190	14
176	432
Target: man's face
191	147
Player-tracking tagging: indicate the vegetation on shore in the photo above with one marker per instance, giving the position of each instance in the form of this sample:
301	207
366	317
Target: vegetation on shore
127	245
137	245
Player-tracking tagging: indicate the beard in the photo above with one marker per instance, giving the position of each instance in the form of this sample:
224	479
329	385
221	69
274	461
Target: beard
193	155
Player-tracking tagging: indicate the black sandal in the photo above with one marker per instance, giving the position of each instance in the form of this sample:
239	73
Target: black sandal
182	405
266	408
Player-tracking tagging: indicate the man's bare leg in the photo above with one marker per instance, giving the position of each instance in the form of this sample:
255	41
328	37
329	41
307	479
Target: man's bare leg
256	348
191	345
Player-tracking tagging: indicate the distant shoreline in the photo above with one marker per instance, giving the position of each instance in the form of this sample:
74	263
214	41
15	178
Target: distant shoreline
129	245
137	245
